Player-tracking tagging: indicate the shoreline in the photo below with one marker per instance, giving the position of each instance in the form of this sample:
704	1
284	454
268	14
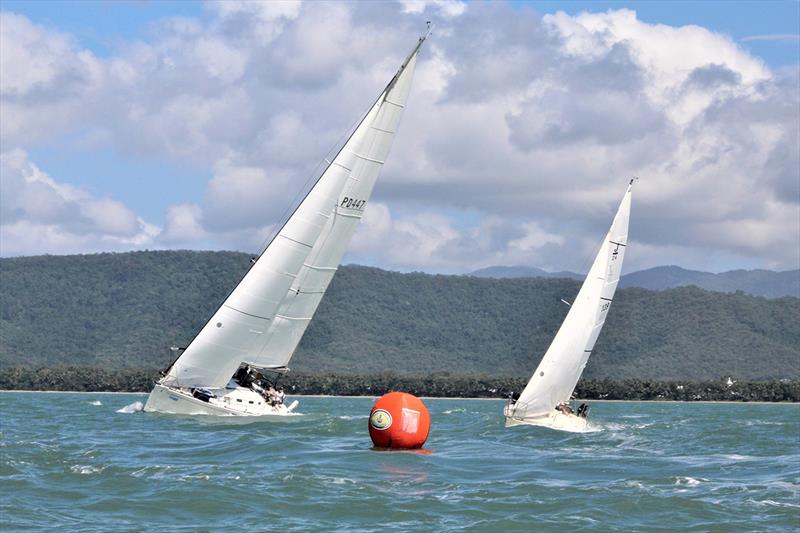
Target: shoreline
26	391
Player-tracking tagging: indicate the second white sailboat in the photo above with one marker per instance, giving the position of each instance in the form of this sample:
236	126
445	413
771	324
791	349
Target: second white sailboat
545	399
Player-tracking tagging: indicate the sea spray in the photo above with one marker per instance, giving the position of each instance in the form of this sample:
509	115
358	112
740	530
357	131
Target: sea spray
135	407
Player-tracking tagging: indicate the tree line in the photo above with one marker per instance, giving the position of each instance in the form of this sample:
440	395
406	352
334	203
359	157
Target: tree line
432	385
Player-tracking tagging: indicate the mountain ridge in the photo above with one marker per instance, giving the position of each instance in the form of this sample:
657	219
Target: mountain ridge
125	310
758	282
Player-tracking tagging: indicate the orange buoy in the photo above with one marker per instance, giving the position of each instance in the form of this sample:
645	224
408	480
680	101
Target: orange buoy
399	421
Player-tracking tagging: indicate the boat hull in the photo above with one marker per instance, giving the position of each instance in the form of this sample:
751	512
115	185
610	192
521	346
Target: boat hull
234	402
558	421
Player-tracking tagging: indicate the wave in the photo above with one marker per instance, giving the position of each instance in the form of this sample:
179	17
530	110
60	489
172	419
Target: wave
134	407
689	481
86	469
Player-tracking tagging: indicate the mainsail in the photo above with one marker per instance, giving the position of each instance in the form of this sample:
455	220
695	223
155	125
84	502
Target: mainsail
563	363
262	320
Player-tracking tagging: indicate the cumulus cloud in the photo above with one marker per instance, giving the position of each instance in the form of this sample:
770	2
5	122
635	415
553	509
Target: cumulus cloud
443	8
518	140
184	225
41	215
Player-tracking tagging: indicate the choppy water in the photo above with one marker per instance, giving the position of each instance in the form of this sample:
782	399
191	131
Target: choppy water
73	461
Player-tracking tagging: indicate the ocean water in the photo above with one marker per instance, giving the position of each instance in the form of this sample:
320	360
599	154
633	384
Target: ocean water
80	462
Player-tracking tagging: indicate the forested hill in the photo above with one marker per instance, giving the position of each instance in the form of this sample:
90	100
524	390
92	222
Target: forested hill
124	310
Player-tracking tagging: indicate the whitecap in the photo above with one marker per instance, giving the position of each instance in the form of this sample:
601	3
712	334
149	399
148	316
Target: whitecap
689	481
96	402
635	484
350	417
737	457
341	480
85	469
135	407
773	503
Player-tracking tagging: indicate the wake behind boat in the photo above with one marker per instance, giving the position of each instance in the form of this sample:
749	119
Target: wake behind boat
232	365
545	399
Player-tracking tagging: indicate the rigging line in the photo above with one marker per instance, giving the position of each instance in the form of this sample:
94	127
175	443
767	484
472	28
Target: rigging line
381	96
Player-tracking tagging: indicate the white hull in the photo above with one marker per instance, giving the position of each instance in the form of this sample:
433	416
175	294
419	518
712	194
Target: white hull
229	402
556	420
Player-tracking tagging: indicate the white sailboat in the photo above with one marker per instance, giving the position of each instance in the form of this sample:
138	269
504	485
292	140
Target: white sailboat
545	399
259	325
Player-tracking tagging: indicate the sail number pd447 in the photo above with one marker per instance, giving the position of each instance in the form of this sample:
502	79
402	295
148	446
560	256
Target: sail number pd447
353	203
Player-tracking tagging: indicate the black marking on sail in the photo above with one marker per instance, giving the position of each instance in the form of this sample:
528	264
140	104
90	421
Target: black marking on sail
618	243
606	299
587	351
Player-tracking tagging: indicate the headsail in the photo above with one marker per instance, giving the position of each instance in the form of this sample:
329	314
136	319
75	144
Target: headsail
250	326
309	286
563	363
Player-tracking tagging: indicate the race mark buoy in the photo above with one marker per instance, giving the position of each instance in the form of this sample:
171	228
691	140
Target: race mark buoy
399	421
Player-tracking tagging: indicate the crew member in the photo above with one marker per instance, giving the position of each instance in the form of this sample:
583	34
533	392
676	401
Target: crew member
564	408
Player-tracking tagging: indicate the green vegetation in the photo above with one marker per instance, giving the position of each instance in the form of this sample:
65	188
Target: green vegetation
436	385
123	311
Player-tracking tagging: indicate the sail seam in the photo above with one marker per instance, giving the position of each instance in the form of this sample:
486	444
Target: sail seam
401	106
366	158
382	130
322	268
336	163
248	314
292	317
298	242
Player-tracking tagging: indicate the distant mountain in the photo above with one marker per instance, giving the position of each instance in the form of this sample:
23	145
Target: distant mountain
767	283
757	282
124	311
521	272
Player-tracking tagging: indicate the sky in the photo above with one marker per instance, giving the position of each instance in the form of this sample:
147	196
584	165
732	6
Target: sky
136	125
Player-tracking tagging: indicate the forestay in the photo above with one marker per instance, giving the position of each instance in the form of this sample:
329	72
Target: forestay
264	317
563	363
